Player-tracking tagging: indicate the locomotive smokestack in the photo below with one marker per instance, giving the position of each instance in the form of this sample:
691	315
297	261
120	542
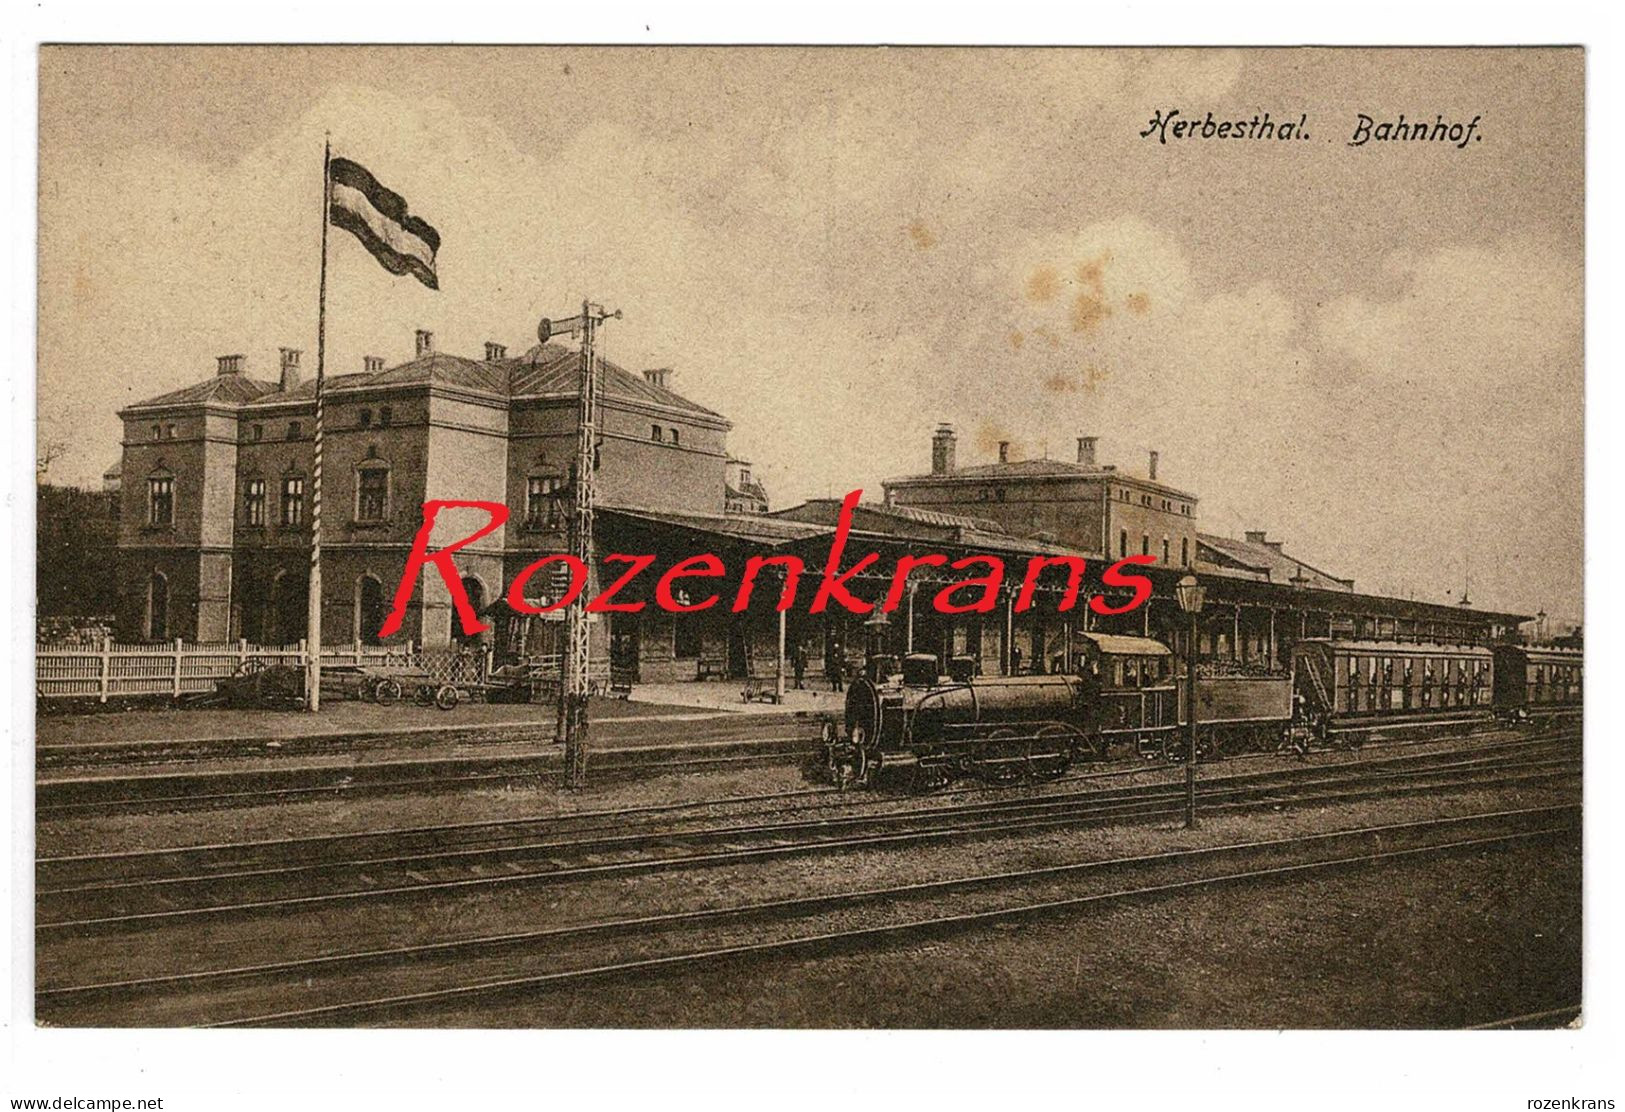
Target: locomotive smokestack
1004	451
942	450
1086	450
1152	466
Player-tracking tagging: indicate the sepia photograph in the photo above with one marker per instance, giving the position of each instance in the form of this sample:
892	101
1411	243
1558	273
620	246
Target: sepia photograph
883	538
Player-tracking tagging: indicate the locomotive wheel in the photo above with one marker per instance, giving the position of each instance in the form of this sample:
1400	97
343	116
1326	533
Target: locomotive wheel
931	777
848	761
1051	755
1003	759
1091	745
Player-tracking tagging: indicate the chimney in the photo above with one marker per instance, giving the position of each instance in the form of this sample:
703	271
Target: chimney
658	376
229	364
493	352
372	364
942	450
1152	466
1256	536
290	368
1004	451
1086	450
425	341
1274	546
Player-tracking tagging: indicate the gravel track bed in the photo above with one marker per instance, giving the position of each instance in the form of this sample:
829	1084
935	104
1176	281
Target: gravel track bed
331	929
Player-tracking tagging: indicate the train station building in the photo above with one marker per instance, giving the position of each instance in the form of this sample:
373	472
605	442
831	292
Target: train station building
215	505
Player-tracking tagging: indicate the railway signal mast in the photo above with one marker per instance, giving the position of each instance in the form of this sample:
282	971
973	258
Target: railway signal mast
574	680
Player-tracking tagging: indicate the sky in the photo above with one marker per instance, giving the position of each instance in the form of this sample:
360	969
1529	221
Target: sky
1374	353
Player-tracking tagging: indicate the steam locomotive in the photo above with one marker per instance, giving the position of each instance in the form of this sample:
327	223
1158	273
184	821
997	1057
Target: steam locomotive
907	723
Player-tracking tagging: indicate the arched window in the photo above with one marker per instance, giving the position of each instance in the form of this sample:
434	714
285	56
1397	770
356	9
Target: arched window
676	436
476	599
1122	543
369	609
1164	550
158	607
288	607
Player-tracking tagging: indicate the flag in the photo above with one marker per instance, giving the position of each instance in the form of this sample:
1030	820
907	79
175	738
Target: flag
403	243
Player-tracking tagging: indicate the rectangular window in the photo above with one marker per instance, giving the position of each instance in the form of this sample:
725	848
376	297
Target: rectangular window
1145	544
372	499
293	430
293	501
254	502
1122	543
366	418
1164	550
160	501
539	491
676	436
257	432
655	434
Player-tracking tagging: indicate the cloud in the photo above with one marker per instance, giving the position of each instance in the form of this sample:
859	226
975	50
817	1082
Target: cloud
839	249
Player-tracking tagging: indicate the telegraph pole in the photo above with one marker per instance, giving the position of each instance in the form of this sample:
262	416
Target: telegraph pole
574	679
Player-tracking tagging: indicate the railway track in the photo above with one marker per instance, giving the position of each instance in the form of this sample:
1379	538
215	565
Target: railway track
66	796
396	983
114	891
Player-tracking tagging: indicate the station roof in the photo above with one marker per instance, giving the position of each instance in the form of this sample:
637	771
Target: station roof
1120	644
1266	561
1041	469
546	370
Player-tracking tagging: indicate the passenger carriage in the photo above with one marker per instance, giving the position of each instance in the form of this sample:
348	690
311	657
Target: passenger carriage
1346	686
1538	681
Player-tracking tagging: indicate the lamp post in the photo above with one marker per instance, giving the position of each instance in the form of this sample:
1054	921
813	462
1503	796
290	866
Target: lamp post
1191	595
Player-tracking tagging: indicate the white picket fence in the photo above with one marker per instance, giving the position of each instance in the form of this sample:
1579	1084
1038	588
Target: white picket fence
111	670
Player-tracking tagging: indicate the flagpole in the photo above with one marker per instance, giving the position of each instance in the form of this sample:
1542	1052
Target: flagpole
313	638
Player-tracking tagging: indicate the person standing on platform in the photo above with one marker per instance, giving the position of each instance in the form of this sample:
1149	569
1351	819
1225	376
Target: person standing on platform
798	661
